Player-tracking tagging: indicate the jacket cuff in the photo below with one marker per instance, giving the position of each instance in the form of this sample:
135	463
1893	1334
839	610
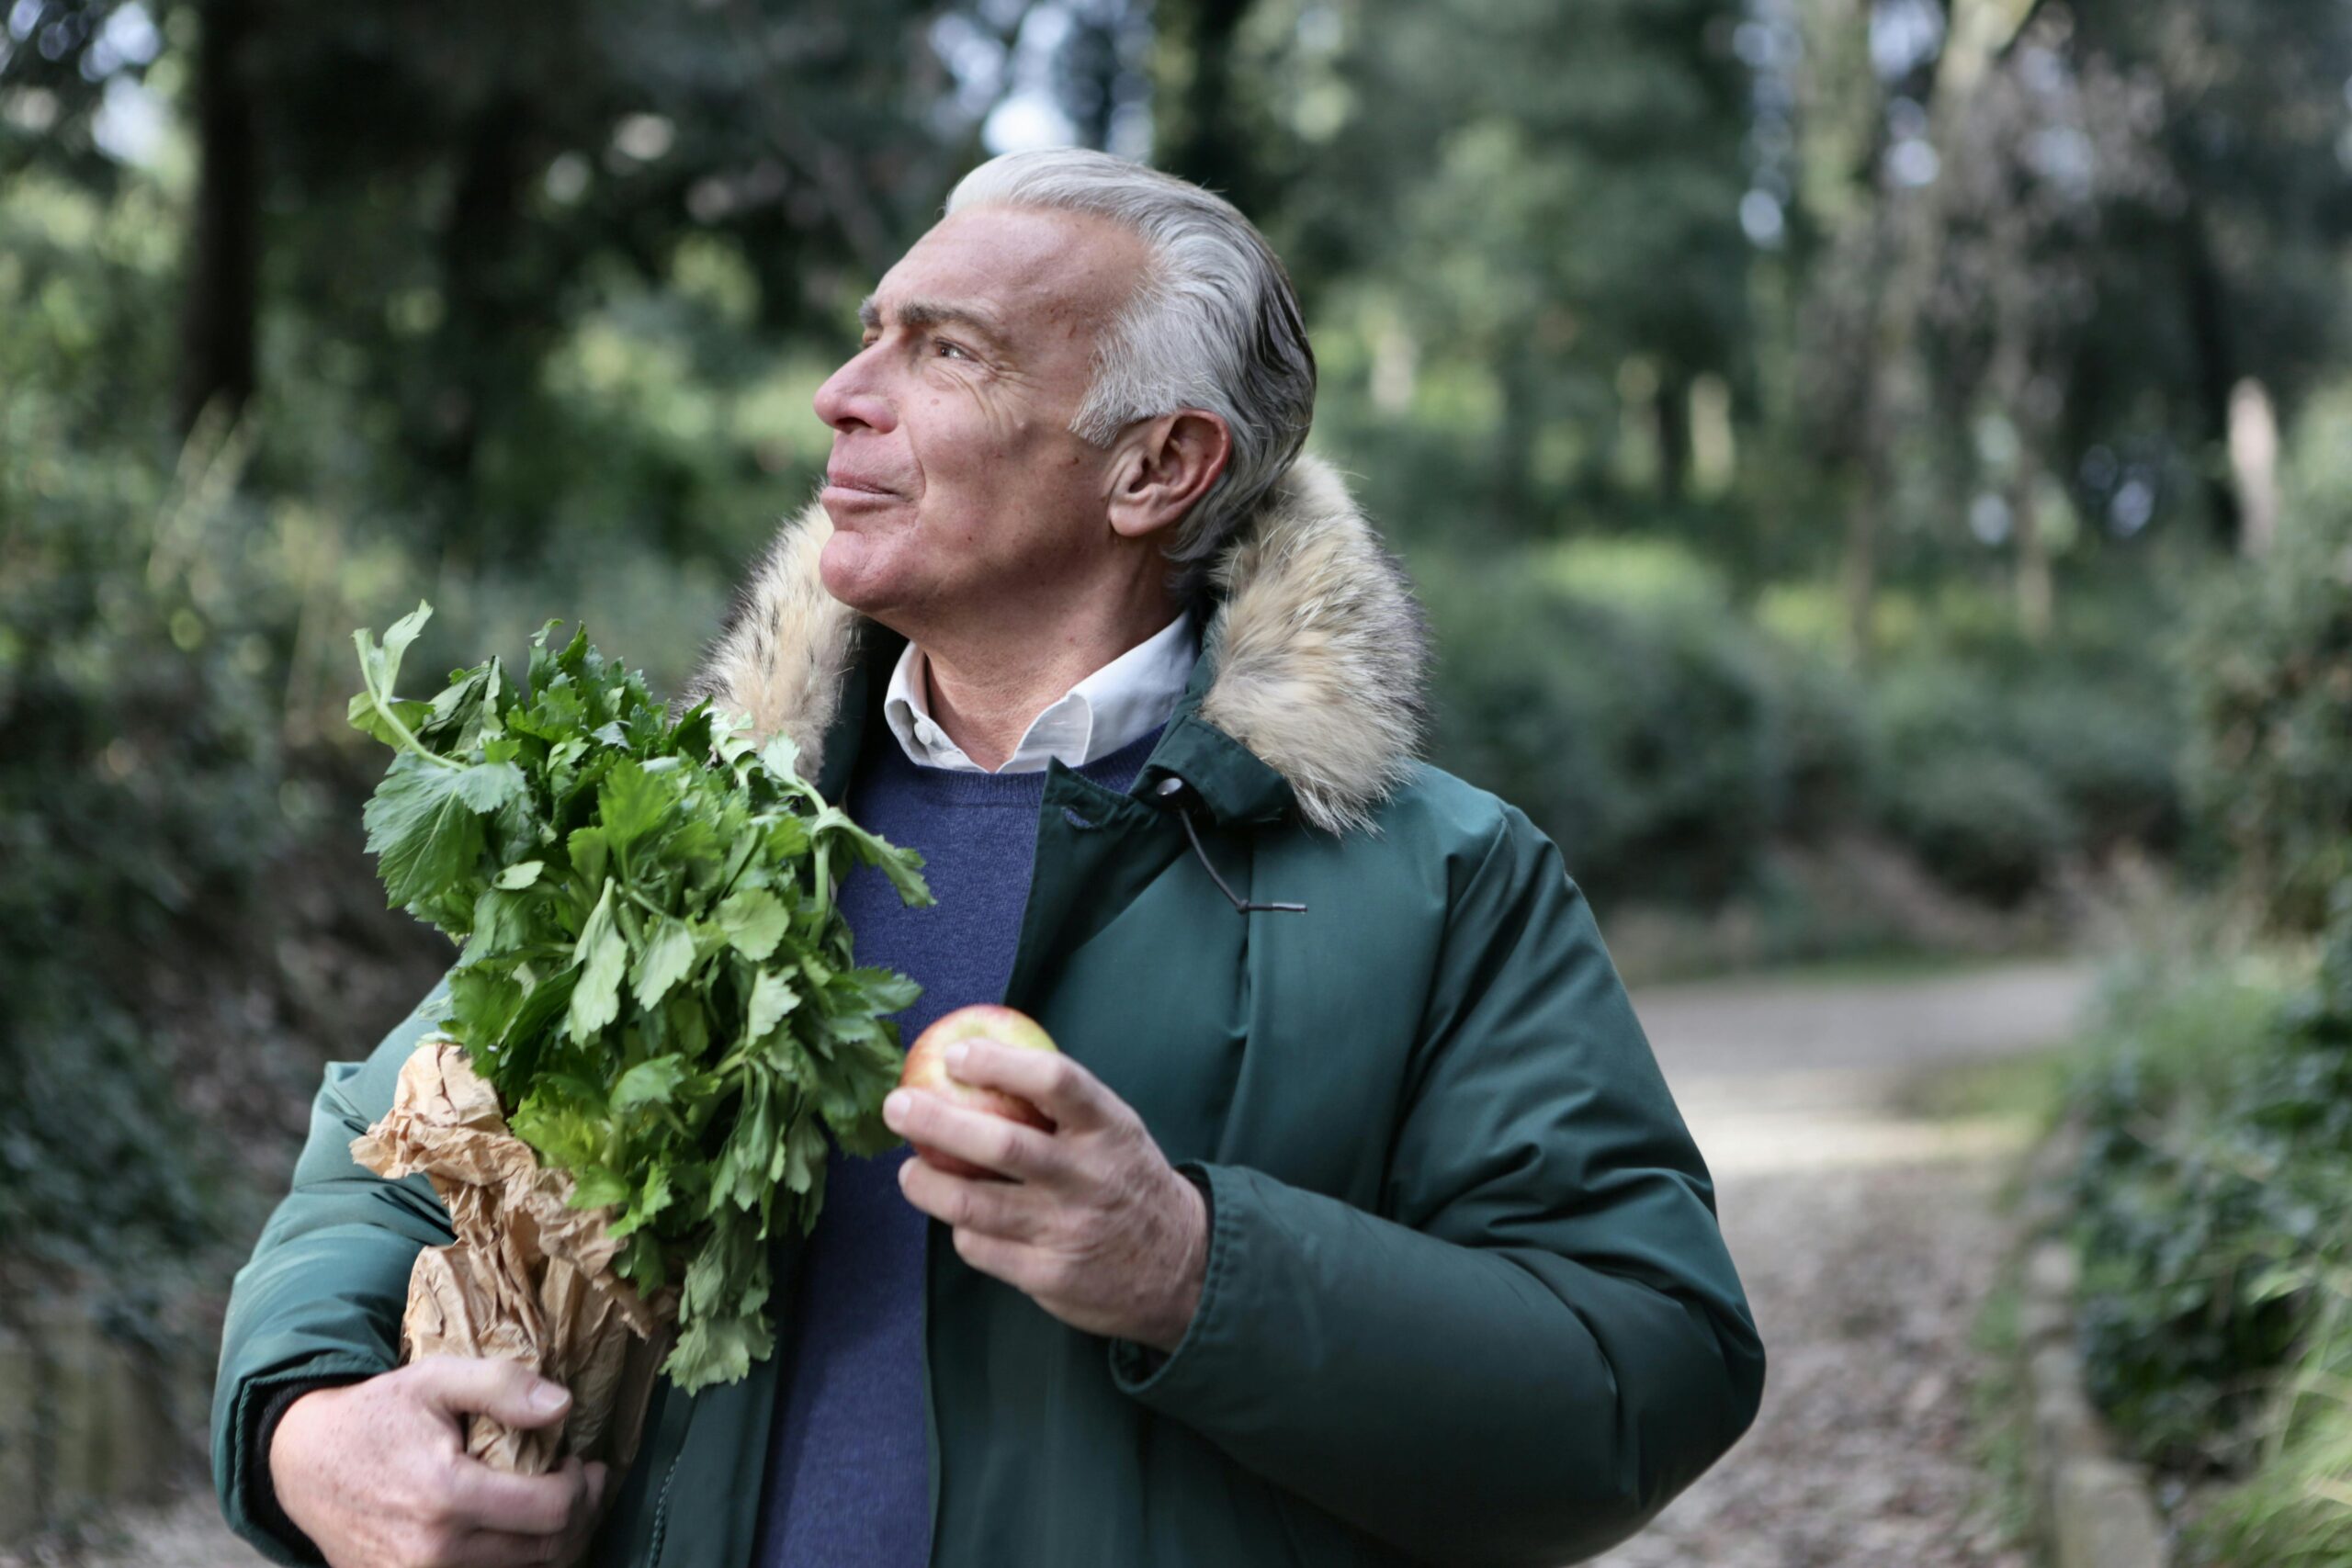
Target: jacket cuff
1138	1368
264	1404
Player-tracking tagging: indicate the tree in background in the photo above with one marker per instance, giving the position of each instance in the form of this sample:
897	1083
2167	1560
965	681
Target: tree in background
440	185
2237	272
2037	149
1551	207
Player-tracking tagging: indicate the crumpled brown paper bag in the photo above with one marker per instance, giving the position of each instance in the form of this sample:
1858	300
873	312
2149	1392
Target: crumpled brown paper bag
527	1278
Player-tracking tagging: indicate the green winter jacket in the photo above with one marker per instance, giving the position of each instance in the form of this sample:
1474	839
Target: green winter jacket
1466	1301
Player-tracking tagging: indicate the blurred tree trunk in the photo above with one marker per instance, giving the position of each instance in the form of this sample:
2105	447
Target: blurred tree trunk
1090	71
1207	144
1515	432
476	247
1858	565
2254	464
1900	250
478	352
224	247
2037	592
2014	393
1673	432
2217	369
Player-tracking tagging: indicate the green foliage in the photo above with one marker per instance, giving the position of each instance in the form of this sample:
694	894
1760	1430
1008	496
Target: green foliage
2269	667
1616	691
1986	824
655	979
1609	691
2210	1196
2296	1510
1525	207
1994	760
138	762
2217	1305
1962	786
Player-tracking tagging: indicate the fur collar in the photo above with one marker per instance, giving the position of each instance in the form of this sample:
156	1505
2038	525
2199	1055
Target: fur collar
1317	648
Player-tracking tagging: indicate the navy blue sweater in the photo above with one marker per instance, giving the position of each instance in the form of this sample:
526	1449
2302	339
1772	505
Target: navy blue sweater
849	1465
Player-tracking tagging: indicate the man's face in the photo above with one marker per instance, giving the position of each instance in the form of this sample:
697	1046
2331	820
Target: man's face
955	481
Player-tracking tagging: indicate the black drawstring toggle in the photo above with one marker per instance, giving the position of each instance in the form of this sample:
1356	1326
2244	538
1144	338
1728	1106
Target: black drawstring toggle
1169	790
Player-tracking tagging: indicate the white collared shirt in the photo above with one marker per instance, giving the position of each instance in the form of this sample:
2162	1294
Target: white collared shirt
1118	703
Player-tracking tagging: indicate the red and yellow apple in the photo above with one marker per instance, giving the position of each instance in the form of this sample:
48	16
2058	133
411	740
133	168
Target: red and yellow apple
926	1068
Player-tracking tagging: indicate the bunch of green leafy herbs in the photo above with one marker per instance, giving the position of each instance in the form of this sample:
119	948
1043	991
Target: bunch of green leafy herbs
655	978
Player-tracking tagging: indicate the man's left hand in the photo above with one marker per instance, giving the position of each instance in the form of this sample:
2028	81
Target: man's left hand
1093	1224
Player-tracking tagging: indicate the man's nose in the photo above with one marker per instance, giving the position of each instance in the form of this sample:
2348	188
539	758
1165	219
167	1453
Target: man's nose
850	397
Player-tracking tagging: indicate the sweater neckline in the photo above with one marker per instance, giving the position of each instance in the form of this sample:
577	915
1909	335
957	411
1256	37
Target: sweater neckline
956	786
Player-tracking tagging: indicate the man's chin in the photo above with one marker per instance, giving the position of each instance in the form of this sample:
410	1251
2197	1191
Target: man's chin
853	570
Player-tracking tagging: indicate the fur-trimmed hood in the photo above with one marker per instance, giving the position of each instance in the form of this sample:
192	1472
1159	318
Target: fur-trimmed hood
1317	648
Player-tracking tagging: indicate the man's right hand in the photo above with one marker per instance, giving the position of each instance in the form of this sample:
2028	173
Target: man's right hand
376	1474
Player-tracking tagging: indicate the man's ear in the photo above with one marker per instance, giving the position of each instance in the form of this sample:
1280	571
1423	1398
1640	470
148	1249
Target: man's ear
1164	466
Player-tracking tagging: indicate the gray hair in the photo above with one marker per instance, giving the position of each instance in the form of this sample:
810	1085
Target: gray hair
1213	325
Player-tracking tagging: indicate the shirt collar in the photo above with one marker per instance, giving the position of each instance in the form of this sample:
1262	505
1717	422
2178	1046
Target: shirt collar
1116	706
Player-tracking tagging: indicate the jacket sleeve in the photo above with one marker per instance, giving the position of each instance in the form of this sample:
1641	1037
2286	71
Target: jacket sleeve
320	1300
1539	1339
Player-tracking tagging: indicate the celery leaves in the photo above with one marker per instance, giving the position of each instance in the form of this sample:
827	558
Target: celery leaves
652	973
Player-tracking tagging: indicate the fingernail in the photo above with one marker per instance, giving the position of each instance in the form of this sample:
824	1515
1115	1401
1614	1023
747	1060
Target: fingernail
894	1107
954	1055
549	1398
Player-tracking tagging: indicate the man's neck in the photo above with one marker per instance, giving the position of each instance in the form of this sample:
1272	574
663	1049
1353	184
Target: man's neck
986	693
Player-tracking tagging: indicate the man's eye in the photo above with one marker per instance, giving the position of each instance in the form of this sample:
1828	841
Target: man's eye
946	348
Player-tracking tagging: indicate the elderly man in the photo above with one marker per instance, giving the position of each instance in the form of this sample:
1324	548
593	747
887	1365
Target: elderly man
1366	1231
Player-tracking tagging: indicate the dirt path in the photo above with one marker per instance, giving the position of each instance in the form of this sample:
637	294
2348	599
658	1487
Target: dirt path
1861	1230
1864	1234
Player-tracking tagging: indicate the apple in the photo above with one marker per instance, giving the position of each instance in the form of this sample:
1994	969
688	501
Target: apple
927	1068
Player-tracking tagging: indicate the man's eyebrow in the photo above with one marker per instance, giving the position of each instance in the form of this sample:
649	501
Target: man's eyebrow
919	313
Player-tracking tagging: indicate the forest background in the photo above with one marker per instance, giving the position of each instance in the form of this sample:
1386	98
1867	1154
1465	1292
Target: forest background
1843	445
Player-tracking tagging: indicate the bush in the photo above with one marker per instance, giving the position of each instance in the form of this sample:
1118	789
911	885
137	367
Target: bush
1613	694
137	796
1993	769
1614	691
2209	1199
2217	1291
2269	667
1984	822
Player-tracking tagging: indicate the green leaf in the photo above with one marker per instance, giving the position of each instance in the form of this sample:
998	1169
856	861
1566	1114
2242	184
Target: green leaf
753	920
654	1082
781	757
448	714
367	717
597	1188
524	1045
667	957
787	835
502	923
522	874
602	956
382	666
587	849
804	1154
631	805
716	1349
902	866
884	990
425	834
650	1200
484	1003
486	786
772	997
